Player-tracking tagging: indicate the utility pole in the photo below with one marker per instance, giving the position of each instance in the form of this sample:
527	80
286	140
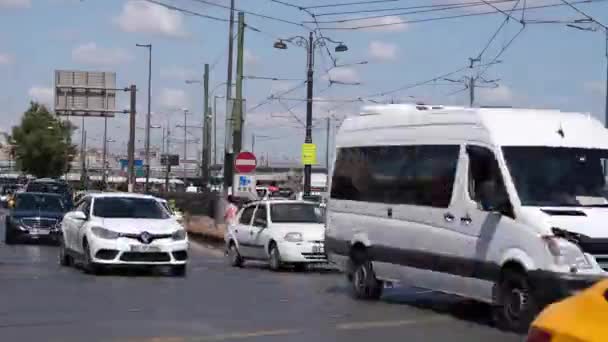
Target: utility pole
83	169
228	127
206	130
84	162
148	119
131	147
238	117
168	166
104	169
327	144
471	85
309	90
215	97
185	143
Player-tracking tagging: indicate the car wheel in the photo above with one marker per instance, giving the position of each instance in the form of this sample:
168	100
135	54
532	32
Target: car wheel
516	306
178	270
64	258
275	258
234	256
89	266
364	283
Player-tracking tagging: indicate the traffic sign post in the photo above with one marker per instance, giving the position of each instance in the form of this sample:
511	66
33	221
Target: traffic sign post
244	182
245	162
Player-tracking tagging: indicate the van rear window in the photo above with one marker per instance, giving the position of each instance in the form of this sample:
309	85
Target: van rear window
418	175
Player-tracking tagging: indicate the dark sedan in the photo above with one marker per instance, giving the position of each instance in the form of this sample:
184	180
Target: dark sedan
34	216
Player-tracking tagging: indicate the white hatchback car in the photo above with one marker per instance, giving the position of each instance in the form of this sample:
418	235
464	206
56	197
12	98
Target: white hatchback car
109	229
280	231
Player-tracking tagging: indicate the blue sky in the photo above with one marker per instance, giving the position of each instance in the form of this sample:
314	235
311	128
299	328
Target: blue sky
547	66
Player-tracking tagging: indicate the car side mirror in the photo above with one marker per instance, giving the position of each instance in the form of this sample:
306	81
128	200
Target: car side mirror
79	216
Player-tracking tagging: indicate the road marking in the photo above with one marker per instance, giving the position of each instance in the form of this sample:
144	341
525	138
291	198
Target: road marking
245	335
388	324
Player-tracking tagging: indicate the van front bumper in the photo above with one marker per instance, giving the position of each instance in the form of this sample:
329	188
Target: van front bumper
554	286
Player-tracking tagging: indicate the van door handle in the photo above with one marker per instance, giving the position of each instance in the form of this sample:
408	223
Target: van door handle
448	217
236	230
466	220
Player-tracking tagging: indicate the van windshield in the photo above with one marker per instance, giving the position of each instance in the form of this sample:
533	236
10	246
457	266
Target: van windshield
558	176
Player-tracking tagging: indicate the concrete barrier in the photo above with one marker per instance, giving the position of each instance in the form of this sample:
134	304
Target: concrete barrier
204	227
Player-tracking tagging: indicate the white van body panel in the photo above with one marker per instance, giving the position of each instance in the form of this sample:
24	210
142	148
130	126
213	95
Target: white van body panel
419	231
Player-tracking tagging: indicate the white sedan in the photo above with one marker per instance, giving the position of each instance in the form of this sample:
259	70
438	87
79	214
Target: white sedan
280	231
109	229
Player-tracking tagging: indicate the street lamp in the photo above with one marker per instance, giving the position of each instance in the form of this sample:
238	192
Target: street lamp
147	143
309	44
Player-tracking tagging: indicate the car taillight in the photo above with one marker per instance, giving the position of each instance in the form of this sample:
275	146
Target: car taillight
538	335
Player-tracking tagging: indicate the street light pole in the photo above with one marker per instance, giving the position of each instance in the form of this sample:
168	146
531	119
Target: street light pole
310	45
147	142
105	152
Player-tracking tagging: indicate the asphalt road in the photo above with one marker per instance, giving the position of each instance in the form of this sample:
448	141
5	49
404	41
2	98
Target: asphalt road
41	301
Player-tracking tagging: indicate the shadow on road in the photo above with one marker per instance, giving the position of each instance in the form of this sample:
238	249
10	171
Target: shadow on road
311	269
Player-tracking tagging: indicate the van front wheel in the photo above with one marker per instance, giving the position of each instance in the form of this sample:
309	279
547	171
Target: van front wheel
364	283
516	307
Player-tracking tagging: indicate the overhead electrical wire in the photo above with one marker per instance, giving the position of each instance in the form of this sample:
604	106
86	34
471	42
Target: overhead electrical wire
449	5
488	65
274	96
502	25
403	22
570	4
252	13
185	11
368	2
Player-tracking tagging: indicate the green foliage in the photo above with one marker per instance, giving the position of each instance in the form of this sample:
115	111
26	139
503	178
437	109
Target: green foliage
43	143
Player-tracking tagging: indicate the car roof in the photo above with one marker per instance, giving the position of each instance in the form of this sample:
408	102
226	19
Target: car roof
120	194
35	193
281	201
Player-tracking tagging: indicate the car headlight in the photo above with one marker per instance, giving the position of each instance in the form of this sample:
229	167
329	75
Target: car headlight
179	235
567	253
103	233
293	237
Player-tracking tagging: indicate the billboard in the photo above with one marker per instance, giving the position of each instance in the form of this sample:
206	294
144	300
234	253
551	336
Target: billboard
85	93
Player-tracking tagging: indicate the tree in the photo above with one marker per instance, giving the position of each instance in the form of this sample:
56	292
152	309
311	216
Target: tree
43	143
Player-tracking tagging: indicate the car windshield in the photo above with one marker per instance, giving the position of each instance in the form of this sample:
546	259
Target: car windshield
558	176
26	201
125	207
56	188
295	213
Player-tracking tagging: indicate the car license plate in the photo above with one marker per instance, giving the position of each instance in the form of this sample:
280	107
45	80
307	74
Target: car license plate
35	231
144	248
318	249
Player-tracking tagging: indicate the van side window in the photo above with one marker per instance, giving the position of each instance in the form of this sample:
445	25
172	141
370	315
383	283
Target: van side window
418	175
485	172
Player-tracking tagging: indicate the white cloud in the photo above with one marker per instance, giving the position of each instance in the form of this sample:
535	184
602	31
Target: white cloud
390	23
382	51
503	95
173	98
343	75
15	3
41	94
250	58
91	54
6	59
595	87
178	73
145	17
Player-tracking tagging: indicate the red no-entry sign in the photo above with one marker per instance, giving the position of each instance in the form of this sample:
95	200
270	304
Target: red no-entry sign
245	162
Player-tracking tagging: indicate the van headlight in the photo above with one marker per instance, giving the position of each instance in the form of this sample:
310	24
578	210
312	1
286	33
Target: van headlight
179	235
293	237
103	233
567	253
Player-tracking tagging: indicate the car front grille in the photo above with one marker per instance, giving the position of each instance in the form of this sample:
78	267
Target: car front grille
145	257
106	254
314	256
151	237
38	223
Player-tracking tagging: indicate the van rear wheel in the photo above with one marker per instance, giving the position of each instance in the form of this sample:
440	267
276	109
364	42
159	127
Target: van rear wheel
364	283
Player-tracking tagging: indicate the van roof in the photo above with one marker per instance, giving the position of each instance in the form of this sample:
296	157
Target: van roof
399	123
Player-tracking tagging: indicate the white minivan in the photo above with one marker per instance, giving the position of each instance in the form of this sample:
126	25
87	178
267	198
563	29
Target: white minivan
506	206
